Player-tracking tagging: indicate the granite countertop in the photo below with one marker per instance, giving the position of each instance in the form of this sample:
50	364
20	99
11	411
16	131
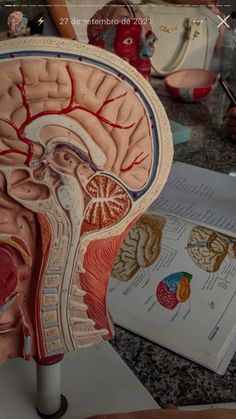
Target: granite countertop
166	375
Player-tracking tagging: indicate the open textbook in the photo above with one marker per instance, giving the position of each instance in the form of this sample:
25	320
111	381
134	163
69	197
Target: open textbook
174	278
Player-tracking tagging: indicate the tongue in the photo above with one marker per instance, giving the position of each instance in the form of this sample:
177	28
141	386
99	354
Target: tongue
8	273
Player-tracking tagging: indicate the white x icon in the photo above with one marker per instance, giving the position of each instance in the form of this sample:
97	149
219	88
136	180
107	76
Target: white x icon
223	21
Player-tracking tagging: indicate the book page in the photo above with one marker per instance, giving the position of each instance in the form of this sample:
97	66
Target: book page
174	283
200	196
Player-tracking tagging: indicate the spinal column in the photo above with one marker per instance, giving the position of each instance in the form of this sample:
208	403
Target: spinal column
107	205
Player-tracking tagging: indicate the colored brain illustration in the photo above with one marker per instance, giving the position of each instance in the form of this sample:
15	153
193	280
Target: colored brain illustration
174	289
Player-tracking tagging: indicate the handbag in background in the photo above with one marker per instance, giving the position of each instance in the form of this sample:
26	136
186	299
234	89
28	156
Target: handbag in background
187	36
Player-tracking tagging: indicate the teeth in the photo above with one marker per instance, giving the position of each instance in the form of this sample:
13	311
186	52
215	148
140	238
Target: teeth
52	281
54	345
50	299
50	317
51	332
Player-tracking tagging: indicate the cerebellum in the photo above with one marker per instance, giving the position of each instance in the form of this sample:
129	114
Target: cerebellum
109	203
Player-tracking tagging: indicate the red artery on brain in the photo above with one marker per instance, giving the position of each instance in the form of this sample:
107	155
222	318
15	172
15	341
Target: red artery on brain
8	273
69	108
135	162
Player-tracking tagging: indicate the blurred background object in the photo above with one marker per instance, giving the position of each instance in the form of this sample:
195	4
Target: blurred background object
187	36
228	52
17	24
121	27
72	18
191	85
30	14
118	26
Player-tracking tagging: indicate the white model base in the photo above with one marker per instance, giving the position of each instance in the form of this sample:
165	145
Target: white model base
94	381
49	388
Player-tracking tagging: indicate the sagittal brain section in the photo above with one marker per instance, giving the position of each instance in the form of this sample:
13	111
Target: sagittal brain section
141	247
79	164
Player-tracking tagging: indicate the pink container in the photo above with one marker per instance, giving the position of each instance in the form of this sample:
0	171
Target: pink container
191	85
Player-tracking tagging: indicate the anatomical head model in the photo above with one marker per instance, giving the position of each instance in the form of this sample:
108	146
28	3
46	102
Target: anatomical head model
85	147
121	27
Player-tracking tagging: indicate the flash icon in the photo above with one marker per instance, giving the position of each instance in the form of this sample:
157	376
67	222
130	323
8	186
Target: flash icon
41	21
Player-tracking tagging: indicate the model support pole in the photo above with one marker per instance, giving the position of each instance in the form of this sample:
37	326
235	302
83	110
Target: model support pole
50	402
